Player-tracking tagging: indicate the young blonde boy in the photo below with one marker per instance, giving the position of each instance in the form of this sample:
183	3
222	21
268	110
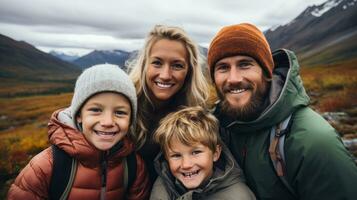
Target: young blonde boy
193	163
98	137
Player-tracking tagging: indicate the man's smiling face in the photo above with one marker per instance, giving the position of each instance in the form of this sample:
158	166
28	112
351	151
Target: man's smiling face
241	85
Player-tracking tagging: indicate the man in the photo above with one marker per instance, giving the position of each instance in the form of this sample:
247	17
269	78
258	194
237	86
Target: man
259	90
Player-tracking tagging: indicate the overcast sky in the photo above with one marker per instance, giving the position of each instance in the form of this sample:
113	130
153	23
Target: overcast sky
79	26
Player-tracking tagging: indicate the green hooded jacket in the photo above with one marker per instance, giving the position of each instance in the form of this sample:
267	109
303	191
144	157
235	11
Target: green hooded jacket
317	164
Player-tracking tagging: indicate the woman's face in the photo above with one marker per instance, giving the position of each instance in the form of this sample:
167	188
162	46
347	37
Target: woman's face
167	69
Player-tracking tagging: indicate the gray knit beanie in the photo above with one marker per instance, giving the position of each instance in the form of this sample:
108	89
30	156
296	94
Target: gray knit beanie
103	78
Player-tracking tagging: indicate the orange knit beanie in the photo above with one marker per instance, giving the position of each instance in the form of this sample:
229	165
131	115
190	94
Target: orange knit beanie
241	39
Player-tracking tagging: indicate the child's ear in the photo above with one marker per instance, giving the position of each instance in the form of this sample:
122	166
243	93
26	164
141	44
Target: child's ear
79	119
217	153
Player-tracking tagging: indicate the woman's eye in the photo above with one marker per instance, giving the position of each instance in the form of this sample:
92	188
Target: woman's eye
178	66
156	63
120	113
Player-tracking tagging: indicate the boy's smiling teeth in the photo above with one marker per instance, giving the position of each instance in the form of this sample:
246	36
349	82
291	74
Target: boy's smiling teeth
105	133
164	85
189	174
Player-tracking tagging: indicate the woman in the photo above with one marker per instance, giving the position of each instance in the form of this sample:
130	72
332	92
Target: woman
167	74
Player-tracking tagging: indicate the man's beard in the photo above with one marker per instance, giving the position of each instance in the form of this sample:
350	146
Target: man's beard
253	108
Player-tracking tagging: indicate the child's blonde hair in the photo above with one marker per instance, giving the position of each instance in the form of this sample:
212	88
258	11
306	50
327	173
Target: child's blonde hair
190	125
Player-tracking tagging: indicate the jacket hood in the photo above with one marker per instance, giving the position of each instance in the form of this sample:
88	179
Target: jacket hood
286	94
74	143
226	174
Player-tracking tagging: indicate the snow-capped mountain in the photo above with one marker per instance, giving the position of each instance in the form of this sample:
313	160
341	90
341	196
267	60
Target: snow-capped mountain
320	10
331	25
63	56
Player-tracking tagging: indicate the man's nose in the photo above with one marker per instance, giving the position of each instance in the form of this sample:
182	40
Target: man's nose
235	75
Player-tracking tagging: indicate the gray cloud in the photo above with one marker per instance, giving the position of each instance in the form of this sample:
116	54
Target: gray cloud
119	24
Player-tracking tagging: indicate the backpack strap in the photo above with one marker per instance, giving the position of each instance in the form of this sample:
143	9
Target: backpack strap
63	173
129	164
277	153
126	174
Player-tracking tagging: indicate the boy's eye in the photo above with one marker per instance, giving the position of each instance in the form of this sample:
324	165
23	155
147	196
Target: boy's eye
95	110
175	156
196	152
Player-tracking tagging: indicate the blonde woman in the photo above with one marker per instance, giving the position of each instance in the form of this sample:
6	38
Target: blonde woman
167	74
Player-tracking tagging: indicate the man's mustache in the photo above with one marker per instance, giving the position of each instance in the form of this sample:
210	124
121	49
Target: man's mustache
241	85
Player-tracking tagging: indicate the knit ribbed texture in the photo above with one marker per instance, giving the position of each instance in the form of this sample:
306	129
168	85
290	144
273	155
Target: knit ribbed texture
103	78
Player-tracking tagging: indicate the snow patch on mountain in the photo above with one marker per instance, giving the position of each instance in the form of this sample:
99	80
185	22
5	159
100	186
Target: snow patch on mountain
69	57
274	28
349	4
317	12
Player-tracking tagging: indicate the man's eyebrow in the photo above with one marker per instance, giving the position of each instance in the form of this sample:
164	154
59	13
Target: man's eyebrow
220	63
247	60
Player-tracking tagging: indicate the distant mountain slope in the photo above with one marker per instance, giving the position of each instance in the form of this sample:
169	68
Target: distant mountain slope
117	57
63	56
19	59
327	31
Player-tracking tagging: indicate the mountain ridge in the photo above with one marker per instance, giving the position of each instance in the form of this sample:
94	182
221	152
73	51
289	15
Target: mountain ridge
117	57
310	35
19	59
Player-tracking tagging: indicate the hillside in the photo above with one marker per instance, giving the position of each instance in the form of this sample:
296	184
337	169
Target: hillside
19	59
26	70
324	33
324	38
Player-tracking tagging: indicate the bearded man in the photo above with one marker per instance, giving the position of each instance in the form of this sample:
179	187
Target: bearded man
258	91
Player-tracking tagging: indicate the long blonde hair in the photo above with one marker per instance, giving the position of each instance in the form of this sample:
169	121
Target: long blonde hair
196	87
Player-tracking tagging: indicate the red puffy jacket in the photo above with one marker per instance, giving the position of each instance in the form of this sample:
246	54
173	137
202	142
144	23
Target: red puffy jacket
34	180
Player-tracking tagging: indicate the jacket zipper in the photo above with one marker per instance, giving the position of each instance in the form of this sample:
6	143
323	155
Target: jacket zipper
244	155
103	166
